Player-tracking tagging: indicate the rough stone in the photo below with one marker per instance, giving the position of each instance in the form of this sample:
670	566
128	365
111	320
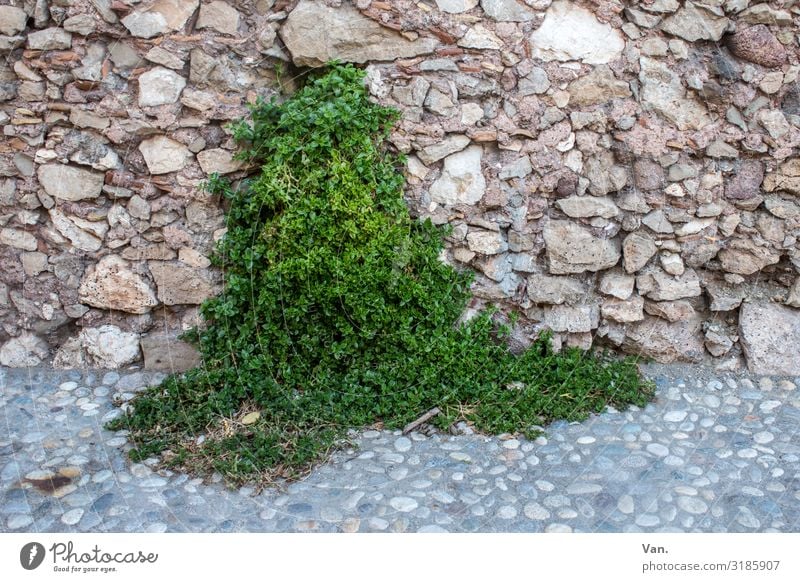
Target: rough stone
18	239
444	148
24	351
462	180
637	249
657	221
724	297
623	310
218	160
588	206
180	284
518	169
315	33
12	20
617	284
478	37
82	24
774	121
219	16
660	286
571	319
717	342
164	352
666	342
160	17
112	284
770	338
507	10
573	249
572	33
599	86
534	83
79	237
745	257
786	178
163	155
486	242
70	183
758	45
543	289
672	311
456	6
109	347
693	23
745	183
793	299
663	92
160	86
50	39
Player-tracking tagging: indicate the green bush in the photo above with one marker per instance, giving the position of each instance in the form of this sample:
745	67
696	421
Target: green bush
338	313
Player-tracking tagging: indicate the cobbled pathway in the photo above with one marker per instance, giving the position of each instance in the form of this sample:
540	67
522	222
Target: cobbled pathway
712	453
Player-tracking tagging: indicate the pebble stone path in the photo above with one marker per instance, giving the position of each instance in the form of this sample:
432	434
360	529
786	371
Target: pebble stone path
711	454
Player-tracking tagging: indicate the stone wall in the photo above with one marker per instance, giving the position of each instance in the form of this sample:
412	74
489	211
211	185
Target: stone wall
623	173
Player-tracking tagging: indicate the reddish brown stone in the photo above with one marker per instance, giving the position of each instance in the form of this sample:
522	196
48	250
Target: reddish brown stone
758	45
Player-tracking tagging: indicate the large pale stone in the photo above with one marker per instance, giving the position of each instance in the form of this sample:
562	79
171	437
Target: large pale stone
637	248
315	33
456	6
573	249
109	347
165	352
660	286
572	319
624	310
507	10
23	351
588	206
79	237
770	337
18	239
666	342
617	284
544	289
434	153
462	180
220	16
180	284
664	93
218	161
50	39
160	17
672	311
478	37
572	33
745	257
111	284
70	183
160	86
786	178
163	155
486	242
12	20
599	86
693	23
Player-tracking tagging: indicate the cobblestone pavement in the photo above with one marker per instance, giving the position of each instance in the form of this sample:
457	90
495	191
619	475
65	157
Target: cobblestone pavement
712	453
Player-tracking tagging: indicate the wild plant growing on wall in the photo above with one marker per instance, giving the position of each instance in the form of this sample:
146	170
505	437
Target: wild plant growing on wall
338	313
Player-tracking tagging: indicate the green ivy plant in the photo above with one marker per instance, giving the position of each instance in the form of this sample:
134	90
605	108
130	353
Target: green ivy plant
337	312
